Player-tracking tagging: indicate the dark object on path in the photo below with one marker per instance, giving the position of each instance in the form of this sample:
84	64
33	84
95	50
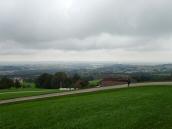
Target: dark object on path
129	81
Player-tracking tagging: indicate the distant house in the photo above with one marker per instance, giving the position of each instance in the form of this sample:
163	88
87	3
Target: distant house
113	81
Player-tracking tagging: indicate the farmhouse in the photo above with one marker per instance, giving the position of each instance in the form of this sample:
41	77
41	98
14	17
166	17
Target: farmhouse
113	81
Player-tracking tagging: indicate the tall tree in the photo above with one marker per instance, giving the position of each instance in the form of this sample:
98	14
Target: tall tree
17	84
6	83
61	78
76	77
44	81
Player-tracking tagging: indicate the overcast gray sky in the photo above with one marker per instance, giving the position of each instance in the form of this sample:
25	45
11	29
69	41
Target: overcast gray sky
93	30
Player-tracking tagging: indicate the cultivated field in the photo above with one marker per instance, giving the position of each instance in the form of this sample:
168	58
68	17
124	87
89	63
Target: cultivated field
128	108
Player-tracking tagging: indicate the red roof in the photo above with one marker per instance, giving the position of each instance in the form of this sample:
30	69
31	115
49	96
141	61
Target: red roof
113	81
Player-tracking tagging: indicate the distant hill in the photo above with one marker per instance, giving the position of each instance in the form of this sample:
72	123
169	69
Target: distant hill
97	70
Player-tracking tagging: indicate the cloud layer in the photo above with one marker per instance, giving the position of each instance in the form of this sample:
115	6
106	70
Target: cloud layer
41	29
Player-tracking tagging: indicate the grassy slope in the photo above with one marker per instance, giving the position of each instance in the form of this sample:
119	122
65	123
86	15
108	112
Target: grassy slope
133	108
22	92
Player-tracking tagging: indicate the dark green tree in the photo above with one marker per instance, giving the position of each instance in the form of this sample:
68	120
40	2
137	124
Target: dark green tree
76	77
59	80
17	84
44	81
84	84
6	83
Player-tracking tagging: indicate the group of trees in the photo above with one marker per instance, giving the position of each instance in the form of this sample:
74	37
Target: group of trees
60	80
145	77
6	83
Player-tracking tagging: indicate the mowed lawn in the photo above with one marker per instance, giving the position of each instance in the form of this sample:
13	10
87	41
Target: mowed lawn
23	92
128	108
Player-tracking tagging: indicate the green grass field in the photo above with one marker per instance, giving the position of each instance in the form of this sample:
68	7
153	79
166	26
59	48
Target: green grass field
94	82
129	108
23	92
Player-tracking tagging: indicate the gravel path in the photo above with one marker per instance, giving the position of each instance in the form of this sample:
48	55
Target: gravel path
80	91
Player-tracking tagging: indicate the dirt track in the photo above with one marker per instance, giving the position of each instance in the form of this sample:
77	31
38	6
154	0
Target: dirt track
80	91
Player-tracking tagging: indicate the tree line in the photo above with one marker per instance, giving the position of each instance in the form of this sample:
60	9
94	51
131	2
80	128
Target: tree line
60	80
145	77
6	83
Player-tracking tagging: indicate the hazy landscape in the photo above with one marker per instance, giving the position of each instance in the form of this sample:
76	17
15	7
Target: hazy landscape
94	70
85	64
